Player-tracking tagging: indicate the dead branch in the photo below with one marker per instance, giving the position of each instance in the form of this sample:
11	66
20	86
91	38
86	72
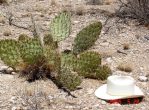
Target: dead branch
119	51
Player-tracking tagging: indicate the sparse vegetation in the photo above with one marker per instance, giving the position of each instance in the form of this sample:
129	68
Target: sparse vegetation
94	2
3	1
45	61
7	32
2	19
126	46
80	10
136	9
125	67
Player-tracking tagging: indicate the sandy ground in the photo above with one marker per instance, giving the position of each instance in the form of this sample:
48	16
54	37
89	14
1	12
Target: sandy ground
17	94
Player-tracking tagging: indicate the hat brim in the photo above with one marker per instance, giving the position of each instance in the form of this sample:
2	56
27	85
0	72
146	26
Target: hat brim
101	93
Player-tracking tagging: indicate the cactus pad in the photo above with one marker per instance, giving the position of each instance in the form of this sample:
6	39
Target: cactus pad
9	53
101	73
69	79
30	50
60	26
87	37
88	62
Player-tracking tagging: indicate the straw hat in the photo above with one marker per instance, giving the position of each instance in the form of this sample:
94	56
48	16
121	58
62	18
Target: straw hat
119	87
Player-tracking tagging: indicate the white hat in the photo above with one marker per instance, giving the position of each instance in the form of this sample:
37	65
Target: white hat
119	87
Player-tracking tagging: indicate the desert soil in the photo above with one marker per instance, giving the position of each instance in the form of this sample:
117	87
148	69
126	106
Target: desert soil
17	94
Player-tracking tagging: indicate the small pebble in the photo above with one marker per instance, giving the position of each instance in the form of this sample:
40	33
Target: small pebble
111	108
76	22
103	102
105	44
146	37
12	100
109	60
143	79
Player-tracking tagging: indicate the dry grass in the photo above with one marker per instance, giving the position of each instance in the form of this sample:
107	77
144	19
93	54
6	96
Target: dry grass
53	3
126	46
34	98
3	1
7	32
2	20
127	67
94	2
136	9
80	10
106	54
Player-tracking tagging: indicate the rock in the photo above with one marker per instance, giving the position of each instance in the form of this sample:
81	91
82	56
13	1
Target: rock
76	22
7	32
17	108
3	67
13	99
143	78
146	37
2	20
109	60
105	44
111	108
69	107
103	102
90	91
50	97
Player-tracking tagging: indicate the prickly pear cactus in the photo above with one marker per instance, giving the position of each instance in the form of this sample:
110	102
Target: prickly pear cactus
60	26
9	53
23	37
87	37
48	39
53	58
69	60
69	79
30	50
88	62
101	73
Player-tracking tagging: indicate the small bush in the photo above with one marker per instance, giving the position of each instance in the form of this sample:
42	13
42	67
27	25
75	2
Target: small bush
3	1
126	46
125	67
94	2
137	9
7	32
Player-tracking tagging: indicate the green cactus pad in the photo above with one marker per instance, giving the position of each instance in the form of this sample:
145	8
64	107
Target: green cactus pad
9	53
53	58
69	60
30	50
69	79
60	26
48	39
101	73
88	62
87	37
23	37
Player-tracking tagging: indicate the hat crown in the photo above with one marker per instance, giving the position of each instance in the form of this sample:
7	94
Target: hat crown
120	85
